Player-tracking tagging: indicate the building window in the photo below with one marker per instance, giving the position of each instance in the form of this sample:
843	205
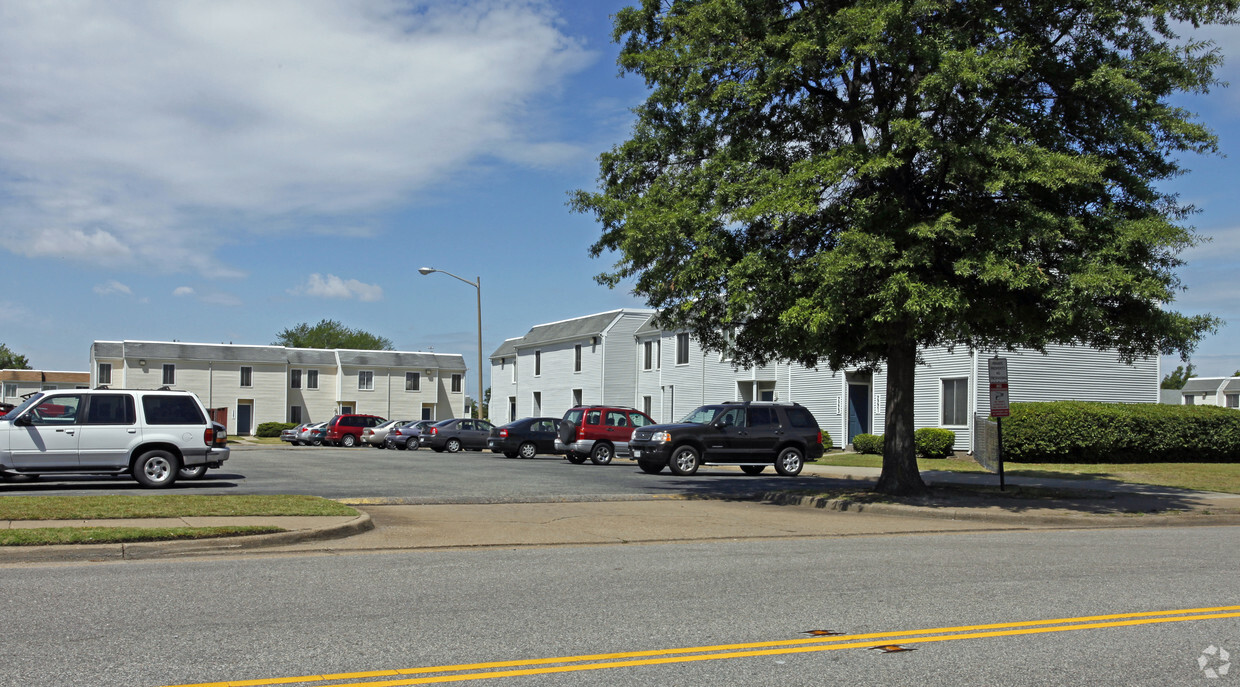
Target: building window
682	348
648	355
365	380
647	404
10	389
1233	400
294	415
577	397
170	374
514	370
312	379
295	379
247	376
1190	400
956	402
456	384
105	374
577	358
537	363
413	381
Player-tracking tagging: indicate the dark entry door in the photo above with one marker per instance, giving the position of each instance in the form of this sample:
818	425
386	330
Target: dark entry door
244	410
858	410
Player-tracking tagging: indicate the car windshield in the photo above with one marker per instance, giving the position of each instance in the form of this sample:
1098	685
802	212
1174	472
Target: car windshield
703	416
12	414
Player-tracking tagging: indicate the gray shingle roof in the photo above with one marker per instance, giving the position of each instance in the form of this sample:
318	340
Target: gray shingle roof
176	350
508	348
576	328
1200	384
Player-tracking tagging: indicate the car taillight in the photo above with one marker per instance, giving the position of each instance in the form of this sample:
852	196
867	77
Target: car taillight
503	433
434	430
820	436
208	436
581	432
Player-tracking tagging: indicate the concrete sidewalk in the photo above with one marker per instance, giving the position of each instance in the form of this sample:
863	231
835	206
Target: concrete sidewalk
388	525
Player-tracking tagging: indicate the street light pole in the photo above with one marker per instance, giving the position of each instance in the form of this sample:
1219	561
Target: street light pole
477	285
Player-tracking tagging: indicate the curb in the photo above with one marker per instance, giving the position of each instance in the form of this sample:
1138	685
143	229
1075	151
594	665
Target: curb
97	553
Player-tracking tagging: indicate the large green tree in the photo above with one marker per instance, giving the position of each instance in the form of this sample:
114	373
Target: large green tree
331	334
10	360
1176	379
846	182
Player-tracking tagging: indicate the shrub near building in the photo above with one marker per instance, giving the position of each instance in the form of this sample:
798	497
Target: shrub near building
273	429
1084	432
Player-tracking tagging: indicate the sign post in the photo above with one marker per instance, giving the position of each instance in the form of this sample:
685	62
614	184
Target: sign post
999	404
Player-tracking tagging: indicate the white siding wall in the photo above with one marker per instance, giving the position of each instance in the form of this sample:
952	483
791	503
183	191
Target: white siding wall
557	379
941	364
502	388
823	392
317	405
617	358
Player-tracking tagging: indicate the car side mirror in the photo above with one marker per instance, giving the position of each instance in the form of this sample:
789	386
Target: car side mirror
24	421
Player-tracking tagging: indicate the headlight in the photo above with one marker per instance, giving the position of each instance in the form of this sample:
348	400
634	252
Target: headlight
661	437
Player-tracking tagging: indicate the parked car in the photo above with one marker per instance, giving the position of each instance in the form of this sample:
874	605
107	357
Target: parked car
315	435
405	437
751	435
290	434
456	434
598	432
148	434
374	436
346	430
526	437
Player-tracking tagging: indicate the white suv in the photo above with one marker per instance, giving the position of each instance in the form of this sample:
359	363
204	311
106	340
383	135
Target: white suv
155	436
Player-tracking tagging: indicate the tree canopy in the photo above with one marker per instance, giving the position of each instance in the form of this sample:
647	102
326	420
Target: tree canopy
331	334
844	183
1176	379
10	360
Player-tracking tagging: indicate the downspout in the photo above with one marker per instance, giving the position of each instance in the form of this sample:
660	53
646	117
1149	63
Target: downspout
339	379
602	372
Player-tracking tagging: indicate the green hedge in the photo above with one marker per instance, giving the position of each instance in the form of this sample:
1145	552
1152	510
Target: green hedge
934	442
273	429
868	443
1083	432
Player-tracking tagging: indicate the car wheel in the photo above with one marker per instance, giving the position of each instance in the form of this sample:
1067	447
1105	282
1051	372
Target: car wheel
601	454
195	472
156	469
527	450
295	443
317	442
685	461
575	458
753	469
348	441
651	468
412	444
789	462
453	445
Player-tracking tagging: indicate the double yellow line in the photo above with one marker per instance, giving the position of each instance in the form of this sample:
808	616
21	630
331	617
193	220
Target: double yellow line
568	664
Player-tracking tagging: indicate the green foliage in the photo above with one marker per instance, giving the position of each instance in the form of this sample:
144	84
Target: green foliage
934	442
1176	379
273	429
846	182
826	440
331	334
868	443
9	360
1081	432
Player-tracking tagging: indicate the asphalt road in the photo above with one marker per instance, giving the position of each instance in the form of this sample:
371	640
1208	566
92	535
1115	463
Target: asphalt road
652	608
424	476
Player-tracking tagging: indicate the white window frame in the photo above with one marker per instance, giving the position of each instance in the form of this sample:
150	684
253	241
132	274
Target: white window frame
365	380
1232	400
169	374
457	381
294	414
246	370
312	376
577	358
648	355
682	348
102	378
10	389
538	363
416	379
960	382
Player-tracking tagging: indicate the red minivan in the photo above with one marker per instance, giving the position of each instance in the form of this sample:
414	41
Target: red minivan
346	430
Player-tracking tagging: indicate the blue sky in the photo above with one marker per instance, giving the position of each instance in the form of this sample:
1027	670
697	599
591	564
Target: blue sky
217	171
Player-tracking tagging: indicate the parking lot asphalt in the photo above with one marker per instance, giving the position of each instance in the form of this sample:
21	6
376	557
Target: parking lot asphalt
388	524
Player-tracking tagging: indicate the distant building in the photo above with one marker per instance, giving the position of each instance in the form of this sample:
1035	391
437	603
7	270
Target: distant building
1211	391
248	385
17	383
623	358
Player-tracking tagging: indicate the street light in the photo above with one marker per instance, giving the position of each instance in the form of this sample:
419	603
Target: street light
477	285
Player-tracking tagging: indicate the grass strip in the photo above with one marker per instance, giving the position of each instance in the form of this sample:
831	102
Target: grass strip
163	506
1219	477
48	536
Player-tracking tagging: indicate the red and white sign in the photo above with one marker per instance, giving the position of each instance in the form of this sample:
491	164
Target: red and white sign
998	387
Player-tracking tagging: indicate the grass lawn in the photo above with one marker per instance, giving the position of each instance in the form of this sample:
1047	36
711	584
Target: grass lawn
1221	477
154	506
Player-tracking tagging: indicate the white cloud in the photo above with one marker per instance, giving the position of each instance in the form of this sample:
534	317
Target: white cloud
112	286
335	287
154	132
183	291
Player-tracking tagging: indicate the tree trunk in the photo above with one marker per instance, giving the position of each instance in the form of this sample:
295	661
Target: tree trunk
900	474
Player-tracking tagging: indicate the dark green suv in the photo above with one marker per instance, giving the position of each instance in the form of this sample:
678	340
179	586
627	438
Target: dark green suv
752	435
